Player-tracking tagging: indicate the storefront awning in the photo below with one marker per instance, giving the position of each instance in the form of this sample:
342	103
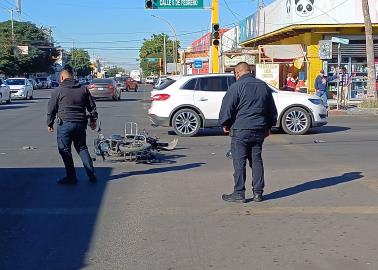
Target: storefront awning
277	53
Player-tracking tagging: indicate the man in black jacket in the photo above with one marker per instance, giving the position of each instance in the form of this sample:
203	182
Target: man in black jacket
248	113
70	103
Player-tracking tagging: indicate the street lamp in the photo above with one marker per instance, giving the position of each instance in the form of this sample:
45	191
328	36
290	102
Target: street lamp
174	40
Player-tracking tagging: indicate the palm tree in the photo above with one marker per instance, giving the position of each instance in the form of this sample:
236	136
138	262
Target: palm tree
372	93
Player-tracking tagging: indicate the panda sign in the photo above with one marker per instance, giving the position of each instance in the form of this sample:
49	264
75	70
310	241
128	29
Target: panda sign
304	8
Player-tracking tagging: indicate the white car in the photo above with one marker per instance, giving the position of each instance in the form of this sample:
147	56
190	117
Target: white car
20	88
5	94
193	102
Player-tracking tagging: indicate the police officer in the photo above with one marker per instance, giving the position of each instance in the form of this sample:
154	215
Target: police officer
69	103
248	113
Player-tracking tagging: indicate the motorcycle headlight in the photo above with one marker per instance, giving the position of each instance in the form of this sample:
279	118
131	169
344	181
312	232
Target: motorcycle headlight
316	101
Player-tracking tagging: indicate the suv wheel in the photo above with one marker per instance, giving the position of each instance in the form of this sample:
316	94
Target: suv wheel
296	121
186	123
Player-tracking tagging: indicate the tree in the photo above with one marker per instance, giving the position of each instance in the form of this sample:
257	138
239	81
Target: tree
372	93
154	48
112	72
41	53
80	60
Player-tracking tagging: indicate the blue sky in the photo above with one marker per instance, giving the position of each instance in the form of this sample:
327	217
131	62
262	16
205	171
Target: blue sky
102	26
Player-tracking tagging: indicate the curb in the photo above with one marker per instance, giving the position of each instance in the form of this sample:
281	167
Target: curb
353	111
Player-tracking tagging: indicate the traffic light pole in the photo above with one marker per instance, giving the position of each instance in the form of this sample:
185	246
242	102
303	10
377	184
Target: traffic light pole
214	49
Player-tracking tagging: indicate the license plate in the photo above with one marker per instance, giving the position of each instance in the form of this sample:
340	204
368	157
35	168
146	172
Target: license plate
100	88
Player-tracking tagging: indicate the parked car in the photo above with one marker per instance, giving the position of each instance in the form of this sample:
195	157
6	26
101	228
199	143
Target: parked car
45	82
105	88
5	93
54	84
34	83
20	88
194	102
150	79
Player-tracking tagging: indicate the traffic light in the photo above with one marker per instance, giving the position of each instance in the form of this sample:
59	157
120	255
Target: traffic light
150	4
215	35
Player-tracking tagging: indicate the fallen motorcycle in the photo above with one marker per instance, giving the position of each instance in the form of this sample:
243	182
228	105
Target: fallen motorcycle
132	146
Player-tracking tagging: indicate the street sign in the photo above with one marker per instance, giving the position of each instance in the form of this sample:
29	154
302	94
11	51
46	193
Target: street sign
340	40
198	64
152	59
175	4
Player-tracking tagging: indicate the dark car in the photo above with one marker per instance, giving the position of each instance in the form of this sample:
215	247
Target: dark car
105	88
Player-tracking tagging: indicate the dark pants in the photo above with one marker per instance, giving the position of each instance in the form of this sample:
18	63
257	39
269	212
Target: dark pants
67	133
247	145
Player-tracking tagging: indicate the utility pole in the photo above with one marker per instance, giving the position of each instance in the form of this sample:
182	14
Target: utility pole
12	23
214	49
165	56
371	85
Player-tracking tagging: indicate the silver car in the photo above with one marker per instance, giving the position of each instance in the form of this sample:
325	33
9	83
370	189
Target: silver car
5	94
20	88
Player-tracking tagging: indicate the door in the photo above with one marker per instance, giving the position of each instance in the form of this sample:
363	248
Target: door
209	95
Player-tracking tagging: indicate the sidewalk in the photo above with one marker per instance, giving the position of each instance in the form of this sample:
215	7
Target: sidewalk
353	109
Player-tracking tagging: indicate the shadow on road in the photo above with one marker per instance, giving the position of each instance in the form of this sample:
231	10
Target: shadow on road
11	107
130	99
315	184
328	129
43	225
158	170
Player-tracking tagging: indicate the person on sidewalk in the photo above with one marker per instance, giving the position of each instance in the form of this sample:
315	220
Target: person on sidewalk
248	113
69	103
321	86
291	83
345	82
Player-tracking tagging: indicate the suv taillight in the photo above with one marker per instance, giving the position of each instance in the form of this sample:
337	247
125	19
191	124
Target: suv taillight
110	86
160	97
91	86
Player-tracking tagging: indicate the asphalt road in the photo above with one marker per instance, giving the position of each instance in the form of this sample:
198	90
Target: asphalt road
321	210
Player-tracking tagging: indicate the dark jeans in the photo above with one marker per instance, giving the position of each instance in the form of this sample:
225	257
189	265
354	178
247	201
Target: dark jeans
247	145
67	133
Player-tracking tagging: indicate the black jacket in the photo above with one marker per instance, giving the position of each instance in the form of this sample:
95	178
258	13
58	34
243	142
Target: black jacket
70	102
248	104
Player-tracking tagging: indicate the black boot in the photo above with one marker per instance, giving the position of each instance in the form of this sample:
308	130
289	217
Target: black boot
233	198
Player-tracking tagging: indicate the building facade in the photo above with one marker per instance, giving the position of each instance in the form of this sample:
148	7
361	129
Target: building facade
312	24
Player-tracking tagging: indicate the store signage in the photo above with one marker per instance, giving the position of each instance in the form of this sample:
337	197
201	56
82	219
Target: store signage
233	61
198	64
180	4
269	73
340	40
325	49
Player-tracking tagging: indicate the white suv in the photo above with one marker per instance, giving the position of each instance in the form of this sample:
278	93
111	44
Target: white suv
193	102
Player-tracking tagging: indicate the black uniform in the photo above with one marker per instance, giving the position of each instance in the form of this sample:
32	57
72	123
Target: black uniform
248	110
70	103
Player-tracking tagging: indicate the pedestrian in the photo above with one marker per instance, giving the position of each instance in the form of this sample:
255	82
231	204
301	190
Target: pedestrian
321	85
344	81
291	83
68	105
248	113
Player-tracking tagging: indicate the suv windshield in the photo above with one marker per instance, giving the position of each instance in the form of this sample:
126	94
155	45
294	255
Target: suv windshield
165	84
15	82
